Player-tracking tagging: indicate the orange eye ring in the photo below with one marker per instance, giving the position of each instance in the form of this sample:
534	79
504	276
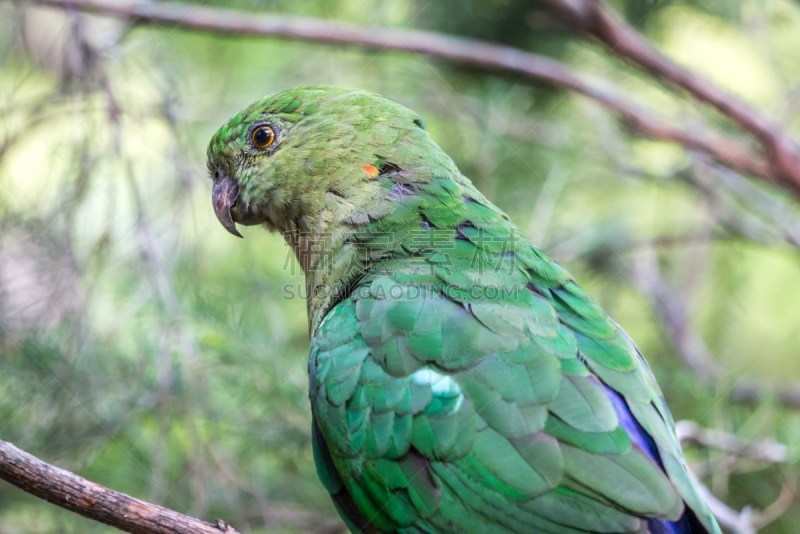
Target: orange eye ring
262	136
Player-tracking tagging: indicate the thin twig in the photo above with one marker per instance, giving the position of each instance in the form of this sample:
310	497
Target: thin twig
94	501
779	216
748	392
471	53
734	521
672	310
765	450
597	18
671	305
748	520
778	507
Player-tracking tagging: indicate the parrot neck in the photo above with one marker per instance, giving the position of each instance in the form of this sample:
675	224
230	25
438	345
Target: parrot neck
332	267
376	222
326	248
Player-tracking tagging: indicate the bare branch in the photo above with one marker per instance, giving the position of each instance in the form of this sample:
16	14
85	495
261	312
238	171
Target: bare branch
748	520
766	450
597	18
747	392
471	53
94	501
754	212
735	521
671	304
672	311
779	506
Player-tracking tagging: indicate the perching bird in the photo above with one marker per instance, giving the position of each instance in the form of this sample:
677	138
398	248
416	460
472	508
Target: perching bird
460	380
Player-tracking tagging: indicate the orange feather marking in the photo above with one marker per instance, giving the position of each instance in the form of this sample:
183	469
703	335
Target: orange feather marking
371	170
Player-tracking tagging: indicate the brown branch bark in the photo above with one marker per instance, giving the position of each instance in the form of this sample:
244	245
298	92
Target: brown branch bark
597	18
94	501
466	52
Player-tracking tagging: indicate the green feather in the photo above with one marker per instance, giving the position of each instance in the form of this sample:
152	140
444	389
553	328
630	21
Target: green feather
458	376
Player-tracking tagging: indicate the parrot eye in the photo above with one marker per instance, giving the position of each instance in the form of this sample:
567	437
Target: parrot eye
262	136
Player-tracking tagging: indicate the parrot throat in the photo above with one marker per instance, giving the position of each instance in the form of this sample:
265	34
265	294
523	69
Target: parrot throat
328	250
332	269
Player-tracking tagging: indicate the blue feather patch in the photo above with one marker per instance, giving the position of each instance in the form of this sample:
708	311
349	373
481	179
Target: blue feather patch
644	441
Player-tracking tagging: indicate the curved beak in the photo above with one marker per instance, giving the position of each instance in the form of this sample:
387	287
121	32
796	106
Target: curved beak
224	195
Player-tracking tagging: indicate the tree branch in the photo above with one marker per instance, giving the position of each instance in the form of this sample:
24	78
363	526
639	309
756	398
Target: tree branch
597	18
466	52
748	520
672	306
767	450
94	501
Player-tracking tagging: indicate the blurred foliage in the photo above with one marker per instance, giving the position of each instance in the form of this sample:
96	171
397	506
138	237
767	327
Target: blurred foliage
144	348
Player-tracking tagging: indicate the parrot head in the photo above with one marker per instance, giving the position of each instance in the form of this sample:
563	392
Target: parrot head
298	159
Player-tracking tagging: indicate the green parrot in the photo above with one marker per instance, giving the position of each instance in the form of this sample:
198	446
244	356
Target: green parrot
460	380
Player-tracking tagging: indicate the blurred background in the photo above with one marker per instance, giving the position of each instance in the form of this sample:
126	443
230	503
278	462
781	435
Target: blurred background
145	348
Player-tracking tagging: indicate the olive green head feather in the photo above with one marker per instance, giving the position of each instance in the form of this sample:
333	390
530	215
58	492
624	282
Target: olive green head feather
298	159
